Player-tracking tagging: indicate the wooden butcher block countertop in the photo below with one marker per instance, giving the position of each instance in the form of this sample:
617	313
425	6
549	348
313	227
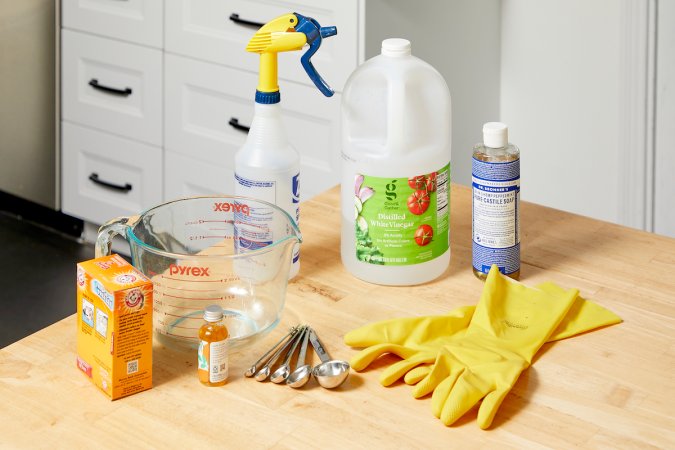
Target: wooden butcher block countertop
611	388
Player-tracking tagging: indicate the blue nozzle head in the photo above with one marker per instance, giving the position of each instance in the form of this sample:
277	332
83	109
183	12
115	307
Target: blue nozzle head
327	31
315	33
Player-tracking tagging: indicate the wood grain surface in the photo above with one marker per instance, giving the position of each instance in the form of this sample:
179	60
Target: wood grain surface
612	388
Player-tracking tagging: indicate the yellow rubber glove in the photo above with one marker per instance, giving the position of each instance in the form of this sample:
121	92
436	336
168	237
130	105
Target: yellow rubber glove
583	316
418	339
511	322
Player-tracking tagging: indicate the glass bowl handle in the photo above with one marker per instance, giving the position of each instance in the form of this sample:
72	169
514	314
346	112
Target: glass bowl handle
109	230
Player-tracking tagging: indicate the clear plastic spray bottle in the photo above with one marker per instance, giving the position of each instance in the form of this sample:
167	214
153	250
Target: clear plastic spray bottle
267	167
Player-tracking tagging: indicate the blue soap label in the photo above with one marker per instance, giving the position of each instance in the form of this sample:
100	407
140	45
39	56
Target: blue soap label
495	218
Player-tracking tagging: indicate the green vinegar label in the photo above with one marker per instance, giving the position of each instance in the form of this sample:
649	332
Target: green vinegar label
402	221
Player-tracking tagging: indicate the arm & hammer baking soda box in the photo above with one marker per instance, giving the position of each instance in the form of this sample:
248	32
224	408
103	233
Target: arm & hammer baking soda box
114	326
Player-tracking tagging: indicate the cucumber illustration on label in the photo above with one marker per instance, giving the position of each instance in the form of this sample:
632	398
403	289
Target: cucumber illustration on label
267	167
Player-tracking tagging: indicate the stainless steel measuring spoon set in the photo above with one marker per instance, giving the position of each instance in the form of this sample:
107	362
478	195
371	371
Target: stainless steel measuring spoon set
329	373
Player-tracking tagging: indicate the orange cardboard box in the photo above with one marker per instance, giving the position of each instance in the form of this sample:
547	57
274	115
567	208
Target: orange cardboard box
114	326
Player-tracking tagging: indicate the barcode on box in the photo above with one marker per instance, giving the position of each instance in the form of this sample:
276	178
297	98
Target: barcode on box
132	367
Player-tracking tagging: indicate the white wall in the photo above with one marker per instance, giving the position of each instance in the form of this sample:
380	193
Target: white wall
664	180
560	84
460	38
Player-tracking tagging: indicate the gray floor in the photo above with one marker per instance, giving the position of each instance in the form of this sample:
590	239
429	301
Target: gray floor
37	276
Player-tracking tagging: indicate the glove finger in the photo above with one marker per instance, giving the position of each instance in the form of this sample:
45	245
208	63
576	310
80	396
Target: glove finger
444	365
442	392
490	405
366	356
465	394
398	369
418	373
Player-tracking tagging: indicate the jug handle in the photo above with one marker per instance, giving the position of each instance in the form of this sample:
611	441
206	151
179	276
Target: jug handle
109	230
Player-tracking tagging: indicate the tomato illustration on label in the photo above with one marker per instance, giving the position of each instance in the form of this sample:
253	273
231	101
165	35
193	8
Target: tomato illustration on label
418	202
423	235
431	182
418	182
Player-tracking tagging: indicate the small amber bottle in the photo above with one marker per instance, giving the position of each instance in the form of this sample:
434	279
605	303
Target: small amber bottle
212	364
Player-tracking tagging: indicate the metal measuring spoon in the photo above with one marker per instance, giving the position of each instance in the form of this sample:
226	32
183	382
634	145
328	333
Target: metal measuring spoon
300	376
254	368
263	373
282	372
330	373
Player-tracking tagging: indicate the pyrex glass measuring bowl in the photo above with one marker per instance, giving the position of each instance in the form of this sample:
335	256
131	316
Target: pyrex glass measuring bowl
232	251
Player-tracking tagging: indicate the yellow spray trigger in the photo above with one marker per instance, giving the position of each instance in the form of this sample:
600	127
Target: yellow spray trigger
287	33
275	36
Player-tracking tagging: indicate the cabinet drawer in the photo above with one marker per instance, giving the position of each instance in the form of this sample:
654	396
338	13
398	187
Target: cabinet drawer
112	86
203	29
187	177
137	21
105	176
202	98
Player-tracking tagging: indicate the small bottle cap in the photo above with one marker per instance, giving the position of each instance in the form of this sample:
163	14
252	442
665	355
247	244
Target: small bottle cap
396	47
213	313
495	135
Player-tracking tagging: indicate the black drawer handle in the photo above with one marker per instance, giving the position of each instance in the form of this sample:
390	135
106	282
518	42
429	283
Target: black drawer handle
234	123
94	177
234	17
110	90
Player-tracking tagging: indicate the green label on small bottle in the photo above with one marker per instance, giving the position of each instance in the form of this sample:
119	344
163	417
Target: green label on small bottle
402	221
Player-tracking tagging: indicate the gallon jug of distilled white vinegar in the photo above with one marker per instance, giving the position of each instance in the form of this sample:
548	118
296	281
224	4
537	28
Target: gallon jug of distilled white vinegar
395	118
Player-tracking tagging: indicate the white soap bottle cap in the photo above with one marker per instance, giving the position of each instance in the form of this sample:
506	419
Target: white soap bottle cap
495	135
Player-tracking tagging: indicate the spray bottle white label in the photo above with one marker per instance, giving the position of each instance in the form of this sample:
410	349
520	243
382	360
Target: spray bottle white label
262	231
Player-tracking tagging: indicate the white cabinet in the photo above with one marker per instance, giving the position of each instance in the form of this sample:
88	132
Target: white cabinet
112	86
208	104
168	89
188	177
106	176
218	31
137	21
201	101
111	108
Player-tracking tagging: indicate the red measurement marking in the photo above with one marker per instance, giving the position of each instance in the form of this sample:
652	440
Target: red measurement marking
218	229
191	298
152	272
217	221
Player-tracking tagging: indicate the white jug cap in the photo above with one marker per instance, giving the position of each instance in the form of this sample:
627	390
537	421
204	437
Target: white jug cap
495	135
396	47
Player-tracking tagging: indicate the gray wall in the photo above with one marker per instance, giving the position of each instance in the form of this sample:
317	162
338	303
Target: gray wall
460	38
